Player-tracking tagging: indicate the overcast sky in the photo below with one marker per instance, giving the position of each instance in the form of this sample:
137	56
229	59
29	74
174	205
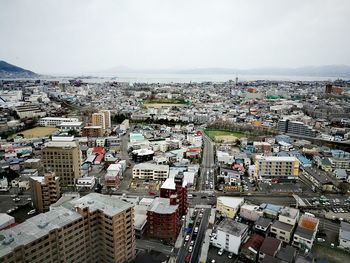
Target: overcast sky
73	36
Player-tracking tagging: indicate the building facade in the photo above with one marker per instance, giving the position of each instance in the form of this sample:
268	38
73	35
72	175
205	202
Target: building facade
94	228
45	191
276	167
150	171
63	158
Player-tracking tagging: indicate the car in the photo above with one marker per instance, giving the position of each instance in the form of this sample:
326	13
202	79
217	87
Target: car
13	196
192	242
203	196
187	238
29	199
196	229
221	251
320	240
190	249
230	255
31	212
212	239
17	199
187	258
213	261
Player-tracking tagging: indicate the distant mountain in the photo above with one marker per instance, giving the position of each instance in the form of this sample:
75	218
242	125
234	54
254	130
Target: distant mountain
11	71
340	71
319	71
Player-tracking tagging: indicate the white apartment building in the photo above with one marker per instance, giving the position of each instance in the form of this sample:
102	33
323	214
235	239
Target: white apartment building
230	235
150	171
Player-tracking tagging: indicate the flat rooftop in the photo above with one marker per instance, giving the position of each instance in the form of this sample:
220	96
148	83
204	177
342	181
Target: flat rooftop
232	227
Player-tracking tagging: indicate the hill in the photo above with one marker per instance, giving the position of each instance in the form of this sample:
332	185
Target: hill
11	71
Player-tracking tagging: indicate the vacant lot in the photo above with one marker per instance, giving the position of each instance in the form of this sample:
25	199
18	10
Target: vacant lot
38	132
226	136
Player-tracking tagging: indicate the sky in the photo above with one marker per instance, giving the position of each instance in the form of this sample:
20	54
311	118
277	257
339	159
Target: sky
76	36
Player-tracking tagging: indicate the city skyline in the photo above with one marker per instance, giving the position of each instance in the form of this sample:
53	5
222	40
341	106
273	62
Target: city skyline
99	36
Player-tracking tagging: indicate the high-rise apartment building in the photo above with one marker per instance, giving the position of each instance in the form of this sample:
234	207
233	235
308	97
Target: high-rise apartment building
276	167
45	191
62	156
108	121
94	228
98	119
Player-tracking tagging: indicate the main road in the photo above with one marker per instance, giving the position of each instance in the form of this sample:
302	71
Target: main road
207	178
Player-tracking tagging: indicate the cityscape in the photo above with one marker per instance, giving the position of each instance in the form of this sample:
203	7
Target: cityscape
176	163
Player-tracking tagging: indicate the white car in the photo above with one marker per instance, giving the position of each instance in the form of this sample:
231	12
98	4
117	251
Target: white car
187	238
192	242
31	212
230	255
221	251
190	249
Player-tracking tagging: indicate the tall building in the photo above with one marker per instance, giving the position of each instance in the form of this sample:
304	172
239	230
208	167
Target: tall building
276	167
98	119
62	156
108	121
163	219
176	186
94	228
45	191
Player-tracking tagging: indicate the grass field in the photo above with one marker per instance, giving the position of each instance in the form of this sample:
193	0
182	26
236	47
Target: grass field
219	135
38	132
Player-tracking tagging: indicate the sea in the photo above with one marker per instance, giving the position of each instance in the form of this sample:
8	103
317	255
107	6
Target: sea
198	78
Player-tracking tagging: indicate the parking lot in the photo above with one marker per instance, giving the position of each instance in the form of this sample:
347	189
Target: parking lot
213	254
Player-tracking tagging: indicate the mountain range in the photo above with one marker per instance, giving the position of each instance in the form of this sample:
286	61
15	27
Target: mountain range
11	71
341	71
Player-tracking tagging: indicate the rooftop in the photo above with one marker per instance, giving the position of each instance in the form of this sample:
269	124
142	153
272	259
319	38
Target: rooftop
283	226
161	206
34	228
151	166
233	202
232	227
270	246
289	212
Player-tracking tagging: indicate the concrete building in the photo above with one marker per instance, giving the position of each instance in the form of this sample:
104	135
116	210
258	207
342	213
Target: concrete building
276	167
305	233
150	171
63	158
94	228
98	119
45	191
289	215
163	219
176	186
92	131
282	231
344	235
71	126
228	206
142	155
56	121
250	249
29	111
230	235
296	127
107	117
6	221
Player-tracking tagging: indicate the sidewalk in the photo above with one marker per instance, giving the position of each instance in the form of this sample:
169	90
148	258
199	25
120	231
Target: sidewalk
205	247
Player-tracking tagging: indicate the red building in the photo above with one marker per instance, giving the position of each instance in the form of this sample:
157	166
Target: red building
163	219
176	186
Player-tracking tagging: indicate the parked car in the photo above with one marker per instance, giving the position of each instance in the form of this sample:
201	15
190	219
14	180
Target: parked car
221	251
230	255
187	258
190	249
31	212
187	238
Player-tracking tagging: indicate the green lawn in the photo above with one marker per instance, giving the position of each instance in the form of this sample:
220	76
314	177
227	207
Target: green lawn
214	133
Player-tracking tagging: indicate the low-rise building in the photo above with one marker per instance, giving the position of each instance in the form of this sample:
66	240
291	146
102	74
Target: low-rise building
150	171
305	233
262	225
250	249
228	206
230	235
282	231
56	121
289	215
276	167
270	247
